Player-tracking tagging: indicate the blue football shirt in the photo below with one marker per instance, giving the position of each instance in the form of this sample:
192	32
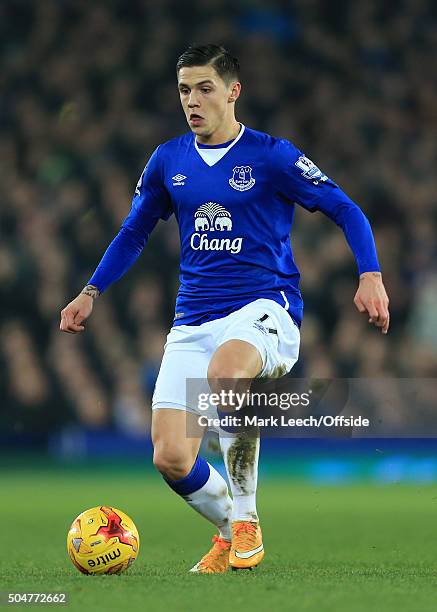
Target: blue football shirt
235	217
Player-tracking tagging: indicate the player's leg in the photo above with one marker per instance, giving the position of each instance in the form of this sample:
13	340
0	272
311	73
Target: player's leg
271	350
177	435
177	457
233	366
194	479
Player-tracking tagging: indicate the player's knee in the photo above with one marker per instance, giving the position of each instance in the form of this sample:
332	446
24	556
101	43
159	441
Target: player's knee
172	463
227	377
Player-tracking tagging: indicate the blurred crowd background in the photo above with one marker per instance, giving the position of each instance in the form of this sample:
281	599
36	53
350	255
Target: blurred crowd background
89	91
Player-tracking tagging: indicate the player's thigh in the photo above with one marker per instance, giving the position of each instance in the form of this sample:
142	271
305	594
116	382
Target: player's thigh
234	360
176	434
183	372
266	326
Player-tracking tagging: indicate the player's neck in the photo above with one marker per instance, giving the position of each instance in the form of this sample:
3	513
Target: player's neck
223	134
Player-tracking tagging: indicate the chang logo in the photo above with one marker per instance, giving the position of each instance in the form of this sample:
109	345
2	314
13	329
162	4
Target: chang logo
207	216
213	217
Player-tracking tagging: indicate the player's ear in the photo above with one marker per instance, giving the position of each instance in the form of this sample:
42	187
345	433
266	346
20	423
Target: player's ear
235	92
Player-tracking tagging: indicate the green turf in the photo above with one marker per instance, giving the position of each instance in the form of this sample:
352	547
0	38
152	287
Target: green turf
356	548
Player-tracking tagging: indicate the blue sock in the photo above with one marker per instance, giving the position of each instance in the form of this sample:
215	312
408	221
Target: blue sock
193	481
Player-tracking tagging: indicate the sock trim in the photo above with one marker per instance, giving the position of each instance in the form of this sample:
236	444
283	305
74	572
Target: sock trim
193	481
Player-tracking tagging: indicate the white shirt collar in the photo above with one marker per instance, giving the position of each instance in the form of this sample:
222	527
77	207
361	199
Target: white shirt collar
213	155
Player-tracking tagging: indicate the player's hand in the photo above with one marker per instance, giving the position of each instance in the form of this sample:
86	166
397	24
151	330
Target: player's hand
371	298
75	313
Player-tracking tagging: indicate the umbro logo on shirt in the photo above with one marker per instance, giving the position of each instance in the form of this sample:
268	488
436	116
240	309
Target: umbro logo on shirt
179	179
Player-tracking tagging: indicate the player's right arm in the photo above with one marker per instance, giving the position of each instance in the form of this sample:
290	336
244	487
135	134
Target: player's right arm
150	203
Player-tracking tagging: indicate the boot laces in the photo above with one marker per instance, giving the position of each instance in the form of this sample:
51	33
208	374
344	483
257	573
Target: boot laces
216	551
245	533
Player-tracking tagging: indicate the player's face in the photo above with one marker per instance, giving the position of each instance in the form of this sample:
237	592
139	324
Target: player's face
206	99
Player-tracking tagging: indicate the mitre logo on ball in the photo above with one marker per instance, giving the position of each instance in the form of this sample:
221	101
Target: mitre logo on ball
213	217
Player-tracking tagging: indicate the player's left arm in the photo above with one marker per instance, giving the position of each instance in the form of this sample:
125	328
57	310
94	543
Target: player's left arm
371	296
304	183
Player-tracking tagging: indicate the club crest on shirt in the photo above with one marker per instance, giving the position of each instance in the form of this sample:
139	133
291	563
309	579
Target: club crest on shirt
309	170
242	178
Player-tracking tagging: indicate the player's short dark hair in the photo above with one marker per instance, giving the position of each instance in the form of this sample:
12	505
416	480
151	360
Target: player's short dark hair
226	65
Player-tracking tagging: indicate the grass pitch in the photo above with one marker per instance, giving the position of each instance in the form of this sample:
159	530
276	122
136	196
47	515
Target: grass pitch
355	548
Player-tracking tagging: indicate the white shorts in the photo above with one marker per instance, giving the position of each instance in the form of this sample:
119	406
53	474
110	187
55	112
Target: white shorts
189	348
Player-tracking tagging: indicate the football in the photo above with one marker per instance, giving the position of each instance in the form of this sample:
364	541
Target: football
103	540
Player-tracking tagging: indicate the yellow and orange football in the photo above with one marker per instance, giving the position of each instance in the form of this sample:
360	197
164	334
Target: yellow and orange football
103	540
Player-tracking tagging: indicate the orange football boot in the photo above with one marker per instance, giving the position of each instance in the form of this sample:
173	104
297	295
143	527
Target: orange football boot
247	548
216	561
